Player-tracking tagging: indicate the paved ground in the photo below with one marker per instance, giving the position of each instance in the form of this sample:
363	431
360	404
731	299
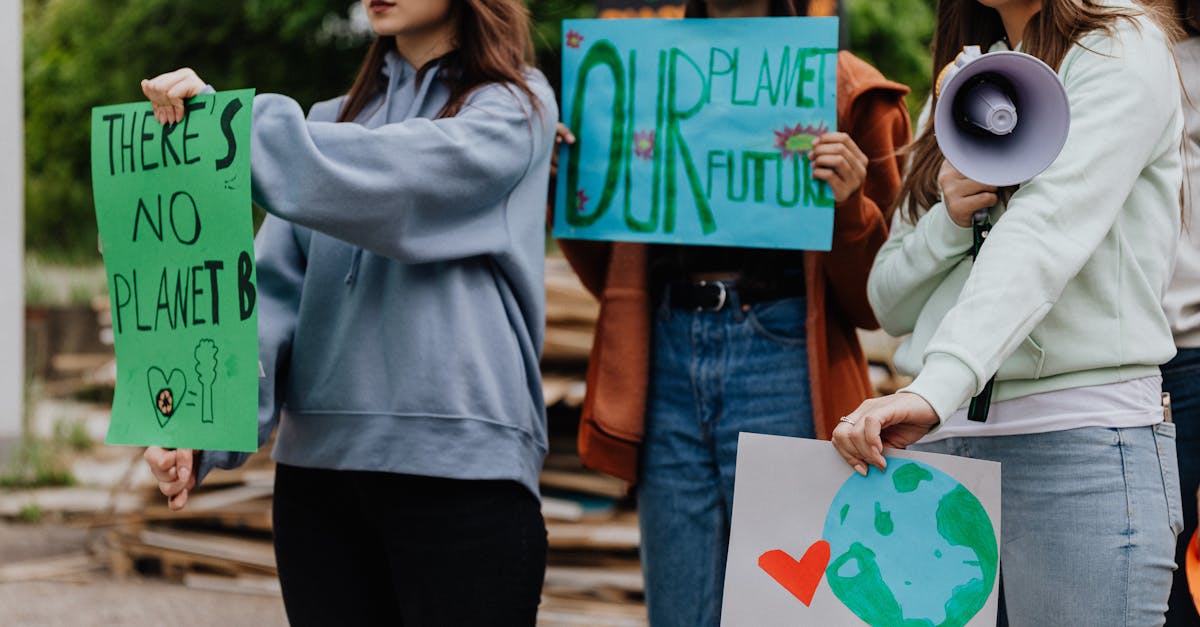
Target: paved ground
97	599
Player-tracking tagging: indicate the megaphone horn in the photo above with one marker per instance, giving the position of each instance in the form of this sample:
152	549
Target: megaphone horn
1002	117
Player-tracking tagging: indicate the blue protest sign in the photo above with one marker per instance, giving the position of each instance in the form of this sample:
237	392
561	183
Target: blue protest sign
697	131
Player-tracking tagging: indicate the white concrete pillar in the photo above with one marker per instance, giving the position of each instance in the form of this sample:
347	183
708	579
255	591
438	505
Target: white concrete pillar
12	229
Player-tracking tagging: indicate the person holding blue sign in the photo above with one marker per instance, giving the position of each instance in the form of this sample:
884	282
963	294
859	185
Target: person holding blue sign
1062	305
400	282
695	344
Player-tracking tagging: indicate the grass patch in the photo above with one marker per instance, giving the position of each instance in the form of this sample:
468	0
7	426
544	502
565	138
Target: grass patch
73	435
31	514
50	283
37	463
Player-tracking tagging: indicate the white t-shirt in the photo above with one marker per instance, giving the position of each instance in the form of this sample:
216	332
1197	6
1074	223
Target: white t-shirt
1135	403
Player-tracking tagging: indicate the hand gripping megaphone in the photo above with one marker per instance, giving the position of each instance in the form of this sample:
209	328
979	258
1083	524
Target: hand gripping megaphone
1002	117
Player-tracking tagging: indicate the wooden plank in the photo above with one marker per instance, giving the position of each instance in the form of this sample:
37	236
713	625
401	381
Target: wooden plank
49	568
561	509
74	500
232	549
208	501
556	611
591	578
586	482
252	516
241	584
611	536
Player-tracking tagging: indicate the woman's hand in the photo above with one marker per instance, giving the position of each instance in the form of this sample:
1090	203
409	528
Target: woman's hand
895	421
561	134
963	197
173	469
838	161
168	91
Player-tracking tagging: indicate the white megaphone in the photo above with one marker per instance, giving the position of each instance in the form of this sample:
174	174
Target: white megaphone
1002	117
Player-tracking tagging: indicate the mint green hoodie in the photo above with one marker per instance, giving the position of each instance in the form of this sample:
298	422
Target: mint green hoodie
1066	293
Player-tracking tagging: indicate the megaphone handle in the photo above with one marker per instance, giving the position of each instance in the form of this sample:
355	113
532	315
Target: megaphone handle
978	410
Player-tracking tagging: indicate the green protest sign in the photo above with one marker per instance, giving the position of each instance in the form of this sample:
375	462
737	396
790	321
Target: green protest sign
173	209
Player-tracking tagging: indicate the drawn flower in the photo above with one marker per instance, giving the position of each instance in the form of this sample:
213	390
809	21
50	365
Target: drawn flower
643	144
574	38
580	201
798	140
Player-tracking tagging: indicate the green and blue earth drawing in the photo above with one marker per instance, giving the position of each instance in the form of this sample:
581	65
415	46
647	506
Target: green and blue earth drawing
920	552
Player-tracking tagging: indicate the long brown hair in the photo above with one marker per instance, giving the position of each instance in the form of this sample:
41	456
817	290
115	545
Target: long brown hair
1048	36
1189	15
493	45
777	8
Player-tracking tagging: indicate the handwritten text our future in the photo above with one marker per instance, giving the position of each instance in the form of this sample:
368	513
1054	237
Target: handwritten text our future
693	92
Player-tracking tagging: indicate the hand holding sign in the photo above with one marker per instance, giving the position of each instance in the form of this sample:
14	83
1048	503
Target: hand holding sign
168	91
896	421
838	161
174	472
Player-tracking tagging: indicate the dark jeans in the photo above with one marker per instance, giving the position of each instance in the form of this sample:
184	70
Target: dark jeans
1181	378
715	375
373	548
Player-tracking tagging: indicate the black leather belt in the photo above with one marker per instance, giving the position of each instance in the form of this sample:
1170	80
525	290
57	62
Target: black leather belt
716	295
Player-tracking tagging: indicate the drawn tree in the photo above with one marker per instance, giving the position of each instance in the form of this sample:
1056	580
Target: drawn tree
206	371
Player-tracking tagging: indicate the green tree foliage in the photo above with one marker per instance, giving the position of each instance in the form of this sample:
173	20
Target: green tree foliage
894	36
84	53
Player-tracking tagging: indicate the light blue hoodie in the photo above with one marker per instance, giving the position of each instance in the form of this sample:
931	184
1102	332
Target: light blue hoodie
400	280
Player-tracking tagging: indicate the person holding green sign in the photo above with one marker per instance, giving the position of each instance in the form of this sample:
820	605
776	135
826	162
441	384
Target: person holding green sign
695	344
1063	305
401	309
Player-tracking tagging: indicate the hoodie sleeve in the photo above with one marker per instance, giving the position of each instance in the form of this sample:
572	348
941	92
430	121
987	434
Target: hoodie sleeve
417	191
1125	114
880	126
912	263
280	273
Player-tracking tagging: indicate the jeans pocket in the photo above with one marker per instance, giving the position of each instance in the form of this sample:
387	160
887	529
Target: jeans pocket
782	321
1164	439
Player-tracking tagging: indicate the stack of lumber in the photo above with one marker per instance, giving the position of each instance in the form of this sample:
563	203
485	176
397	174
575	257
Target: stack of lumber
570	317
221	541
879	347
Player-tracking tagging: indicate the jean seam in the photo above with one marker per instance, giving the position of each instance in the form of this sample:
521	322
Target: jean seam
1125	468
761	330
695	374
1162	466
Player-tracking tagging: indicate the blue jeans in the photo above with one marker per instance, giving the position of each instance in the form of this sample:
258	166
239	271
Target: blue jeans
714	375
1088	523
1181	377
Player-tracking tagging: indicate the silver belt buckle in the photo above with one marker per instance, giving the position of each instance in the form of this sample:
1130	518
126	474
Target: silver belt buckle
722	295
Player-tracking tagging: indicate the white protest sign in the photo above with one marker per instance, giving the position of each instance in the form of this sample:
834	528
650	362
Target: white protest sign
813	543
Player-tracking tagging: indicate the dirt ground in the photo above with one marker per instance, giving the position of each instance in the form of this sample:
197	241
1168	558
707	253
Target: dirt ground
96	598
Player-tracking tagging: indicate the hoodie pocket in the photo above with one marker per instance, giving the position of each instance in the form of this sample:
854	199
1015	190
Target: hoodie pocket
1025	363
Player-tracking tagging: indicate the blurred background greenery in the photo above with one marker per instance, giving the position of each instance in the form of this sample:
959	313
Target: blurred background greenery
84	53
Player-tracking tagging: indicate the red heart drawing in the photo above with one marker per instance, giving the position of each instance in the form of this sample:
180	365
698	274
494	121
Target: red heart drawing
800	578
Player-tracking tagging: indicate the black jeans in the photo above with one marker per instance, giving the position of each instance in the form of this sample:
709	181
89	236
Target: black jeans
373	548
1181	377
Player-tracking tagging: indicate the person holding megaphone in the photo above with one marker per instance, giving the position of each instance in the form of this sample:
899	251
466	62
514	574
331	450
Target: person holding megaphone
1059	301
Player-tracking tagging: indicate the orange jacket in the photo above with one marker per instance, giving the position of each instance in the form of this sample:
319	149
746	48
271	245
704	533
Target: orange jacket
871	109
